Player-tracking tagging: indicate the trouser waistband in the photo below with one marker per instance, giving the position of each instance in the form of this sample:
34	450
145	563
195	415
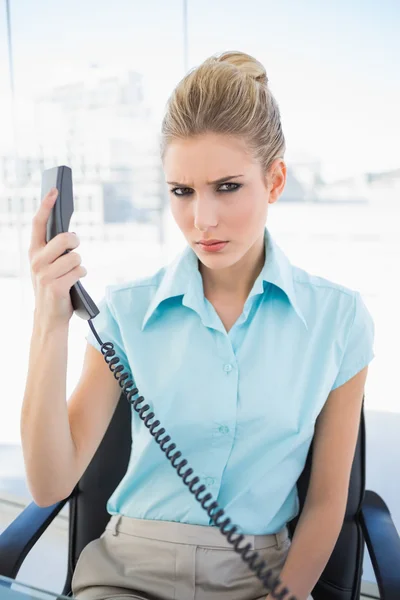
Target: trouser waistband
186	533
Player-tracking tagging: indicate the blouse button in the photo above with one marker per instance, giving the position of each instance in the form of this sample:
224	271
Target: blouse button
227	368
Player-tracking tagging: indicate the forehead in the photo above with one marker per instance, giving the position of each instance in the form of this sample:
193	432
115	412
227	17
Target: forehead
207	157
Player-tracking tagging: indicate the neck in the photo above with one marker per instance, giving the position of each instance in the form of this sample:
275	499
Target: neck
237	280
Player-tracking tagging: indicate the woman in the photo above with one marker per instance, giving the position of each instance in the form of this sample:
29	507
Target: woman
244	358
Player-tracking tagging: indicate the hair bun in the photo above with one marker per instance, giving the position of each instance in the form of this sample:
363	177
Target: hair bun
246	63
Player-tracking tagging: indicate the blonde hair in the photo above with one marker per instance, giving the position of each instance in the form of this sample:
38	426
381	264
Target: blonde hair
227	94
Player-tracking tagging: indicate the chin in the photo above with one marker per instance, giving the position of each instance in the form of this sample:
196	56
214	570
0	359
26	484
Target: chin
215	261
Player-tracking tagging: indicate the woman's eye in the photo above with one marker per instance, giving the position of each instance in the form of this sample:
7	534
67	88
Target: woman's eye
237	186
175	190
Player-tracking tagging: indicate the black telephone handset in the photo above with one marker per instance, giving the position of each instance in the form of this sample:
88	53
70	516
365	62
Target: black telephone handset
58	222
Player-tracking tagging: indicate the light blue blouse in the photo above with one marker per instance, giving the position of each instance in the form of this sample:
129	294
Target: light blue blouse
240	406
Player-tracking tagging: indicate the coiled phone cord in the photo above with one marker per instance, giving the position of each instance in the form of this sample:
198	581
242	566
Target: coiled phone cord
107	349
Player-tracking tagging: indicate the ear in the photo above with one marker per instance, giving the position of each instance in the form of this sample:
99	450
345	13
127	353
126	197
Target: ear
276	179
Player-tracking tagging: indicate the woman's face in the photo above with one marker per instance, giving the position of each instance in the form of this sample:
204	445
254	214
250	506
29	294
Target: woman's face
233	210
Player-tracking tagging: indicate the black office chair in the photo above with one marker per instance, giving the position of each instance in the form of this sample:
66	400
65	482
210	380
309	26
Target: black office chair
367	519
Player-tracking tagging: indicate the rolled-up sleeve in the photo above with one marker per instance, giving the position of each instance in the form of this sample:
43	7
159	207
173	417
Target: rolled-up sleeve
359	350
107	327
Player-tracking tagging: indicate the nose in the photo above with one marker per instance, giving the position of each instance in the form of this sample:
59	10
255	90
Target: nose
205	213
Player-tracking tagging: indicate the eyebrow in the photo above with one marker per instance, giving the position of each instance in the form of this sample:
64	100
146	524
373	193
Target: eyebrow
208	182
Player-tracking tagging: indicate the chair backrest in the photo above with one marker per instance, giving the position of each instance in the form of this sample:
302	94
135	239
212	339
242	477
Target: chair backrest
341	578
88	516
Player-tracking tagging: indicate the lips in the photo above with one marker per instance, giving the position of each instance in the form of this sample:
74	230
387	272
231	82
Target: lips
211	242
213	247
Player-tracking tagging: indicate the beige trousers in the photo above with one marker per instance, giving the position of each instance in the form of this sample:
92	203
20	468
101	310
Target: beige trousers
163	560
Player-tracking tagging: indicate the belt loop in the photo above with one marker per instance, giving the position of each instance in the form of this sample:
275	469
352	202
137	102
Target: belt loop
281	536
114	528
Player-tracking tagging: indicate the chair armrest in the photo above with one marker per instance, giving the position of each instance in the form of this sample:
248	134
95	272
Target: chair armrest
23	533
383	543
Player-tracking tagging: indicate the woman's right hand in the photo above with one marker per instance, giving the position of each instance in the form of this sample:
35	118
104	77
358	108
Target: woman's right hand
52	272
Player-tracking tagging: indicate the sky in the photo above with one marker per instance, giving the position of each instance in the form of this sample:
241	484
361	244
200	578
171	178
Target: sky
333	67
